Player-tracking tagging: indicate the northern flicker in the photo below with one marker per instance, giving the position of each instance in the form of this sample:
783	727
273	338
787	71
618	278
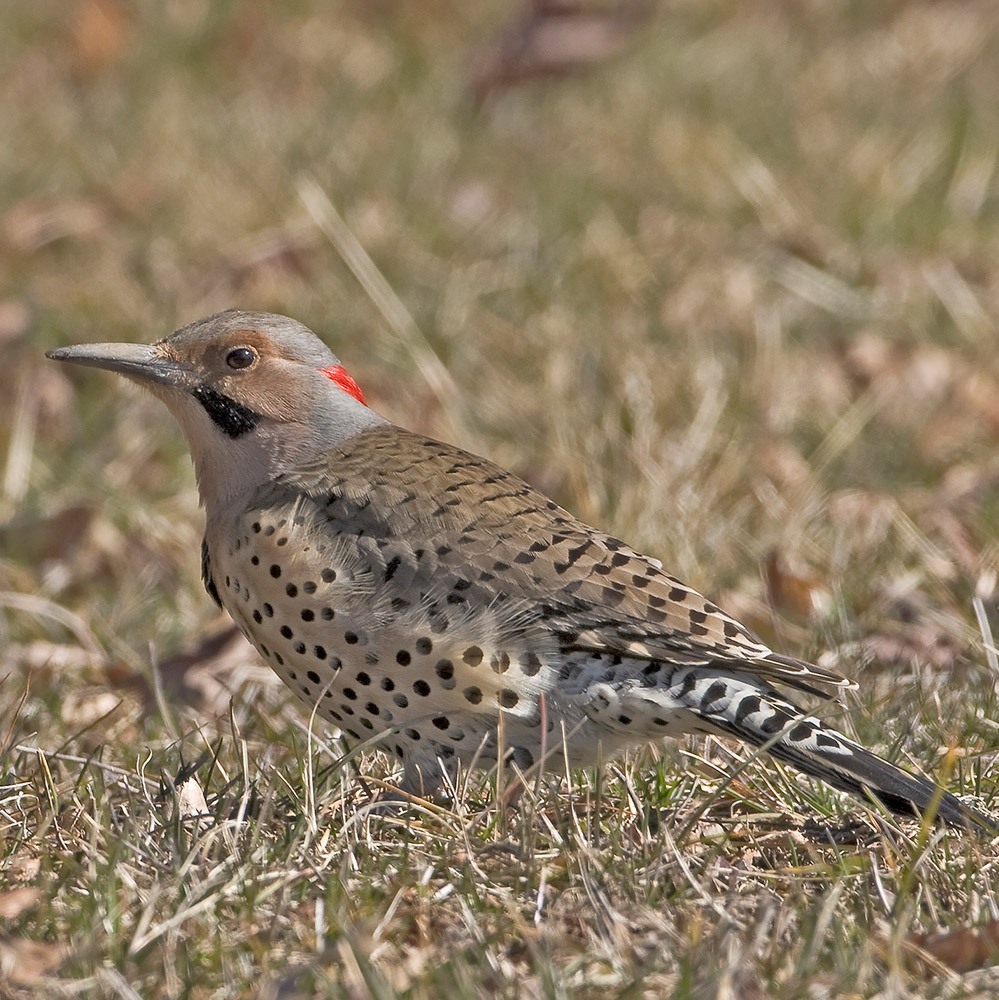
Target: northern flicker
406	588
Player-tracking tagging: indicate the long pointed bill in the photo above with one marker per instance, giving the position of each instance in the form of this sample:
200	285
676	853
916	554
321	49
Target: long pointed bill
138	361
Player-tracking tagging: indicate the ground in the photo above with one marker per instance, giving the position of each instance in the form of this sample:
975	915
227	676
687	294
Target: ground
721	278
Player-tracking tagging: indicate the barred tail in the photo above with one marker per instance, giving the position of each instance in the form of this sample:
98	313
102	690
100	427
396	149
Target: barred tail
865	774
734	704
757	715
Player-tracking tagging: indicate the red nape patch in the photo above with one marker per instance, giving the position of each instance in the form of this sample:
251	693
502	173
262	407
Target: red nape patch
338	375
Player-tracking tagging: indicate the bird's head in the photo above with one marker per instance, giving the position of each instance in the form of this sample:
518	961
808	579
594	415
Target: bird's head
257	395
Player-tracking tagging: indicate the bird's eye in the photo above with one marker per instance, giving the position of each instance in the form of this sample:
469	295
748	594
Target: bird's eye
241	357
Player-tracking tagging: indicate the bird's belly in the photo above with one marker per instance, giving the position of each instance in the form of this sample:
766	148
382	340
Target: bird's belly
315	613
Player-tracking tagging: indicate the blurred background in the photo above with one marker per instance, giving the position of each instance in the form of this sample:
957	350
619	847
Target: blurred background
721	277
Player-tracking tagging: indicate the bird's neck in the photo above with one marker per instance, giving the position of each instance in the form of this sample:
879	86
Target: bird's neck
294	454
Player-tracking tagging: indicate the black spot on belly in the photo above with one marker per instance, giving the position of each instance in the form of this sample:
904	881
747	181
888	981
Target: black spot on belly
508	698
530	665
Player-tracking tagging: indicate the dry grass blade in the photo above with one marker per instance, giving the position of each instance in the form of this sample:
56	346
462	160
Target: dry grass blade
40	607
381	293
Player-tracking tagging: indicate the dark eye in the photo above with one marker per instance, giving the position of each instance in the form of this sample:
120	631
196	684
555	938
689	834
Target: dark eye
241	357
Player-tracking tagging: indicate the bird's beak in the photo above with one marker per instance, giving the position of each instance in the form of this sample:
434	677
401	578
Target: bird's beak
141	362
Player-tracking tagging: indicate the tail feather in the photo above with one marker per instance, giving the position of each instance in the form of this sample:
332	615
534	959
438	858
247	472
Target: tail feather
739	705
865	774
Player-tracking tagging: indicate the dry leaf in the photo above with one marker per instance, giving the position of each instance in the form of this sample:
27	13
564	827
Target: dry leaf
801	592
101	32
912	645
22	869
191	802
192	806
556	37
964	949
910	633
25	962
14	902
208	674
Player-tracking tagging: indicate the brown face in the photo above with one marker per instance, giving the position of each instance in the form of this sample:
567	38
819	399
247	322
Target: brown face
241	368
243	373
237	376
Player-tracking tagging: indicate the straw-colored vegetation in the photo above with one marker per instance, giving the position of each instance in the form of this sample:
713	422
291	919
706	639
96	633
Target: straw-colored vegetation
731	292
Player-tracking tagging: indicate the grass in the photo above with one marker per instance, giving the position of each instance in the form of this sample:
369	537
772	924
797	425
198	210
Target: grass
731	295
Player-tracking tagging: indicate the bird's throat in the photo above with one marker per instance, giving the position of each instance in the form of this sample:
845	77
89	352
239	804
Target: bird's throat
231	417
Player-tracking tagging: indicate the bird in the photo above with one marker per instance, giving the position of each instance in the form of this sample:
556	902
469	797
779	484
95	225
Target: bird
422	597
